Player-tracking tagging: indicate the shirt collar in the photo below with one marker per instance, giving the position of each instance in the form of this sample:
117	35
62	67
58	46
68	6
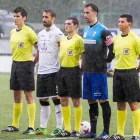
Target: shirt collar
21	28
52	27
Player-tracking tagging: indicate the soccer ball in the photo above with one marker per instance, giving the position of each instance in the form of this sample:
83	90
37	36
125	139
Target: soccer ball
84	127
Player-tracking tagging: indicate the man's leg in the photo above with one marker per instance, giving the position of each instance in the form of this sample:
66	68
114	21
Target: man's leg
121	117
44	113
93	114
31	108
17	109
135	117
66	111
77	113
106	111
58	111
44	117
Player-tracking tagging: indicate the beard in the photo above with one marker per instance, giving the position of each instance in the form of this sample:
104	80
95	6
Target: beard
47	24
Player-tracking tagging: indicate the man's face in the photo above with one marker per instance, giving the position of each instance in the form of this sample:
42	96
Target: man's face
123	24
69	26
18	19
89	14
47	19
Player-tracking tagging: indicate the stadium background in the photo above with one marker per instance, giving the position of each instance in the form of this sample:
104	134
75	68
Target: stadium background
109	13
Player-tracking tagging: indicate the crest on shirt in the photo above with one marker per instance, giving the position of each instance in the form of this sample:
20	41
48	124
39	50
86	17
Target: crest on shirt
70	52
126	51
20	44
85	34
94	33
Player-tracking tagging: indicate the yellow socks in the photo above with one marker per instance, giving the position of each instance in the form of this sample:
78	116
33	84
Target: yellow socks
136	122
66	111
78	117
121	119
31	108
17	110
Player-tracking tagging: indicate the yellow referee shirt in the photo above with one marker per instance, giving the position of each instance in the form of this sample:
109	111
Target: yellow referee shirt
70	51
127	50
21	43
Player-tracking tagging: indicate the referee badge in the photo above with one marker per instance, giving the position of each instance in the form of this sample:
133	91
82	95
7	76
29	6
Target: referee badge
126	51
70	52
21	44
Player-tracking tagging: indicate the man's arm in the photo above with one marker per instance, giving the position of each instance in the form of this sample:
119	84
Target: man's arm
110	53
83	61
37	53
108	40
138	68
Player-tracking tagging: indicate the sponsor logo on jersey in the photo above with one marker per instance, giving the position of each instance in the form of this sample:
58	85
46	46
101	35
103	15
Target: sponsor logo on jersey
44	46
88	41
70	52
21	44
126	51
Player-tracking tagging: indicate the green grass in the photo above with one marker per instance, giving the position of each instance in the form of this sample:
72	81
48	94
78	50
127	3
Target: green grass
6	108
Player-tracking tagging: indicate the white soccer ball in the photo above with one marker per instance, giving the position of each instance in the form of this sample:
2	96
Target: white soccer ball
85	127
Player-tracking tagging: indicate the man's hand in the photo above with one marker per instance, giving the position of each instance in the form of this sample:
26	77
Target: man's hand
138	69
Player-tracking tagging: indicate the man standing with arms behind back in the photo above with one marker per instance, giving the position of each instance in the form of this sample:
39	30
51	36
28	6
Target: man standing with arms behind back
48	55
22	40
69	81
125	79
97	40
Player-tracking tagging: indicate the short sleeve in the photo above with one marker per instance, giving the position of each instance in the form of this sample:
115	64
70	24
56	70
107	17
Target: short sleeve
137	45
59	35
82	48
33	36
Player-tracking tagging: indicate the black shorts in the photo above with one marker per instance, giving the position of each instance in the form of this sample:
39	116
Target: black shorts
69	82
126	86
46	85
22	76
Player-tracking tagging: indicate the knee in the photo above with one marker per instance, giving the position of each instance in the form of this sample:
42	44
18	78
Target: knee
134	106
17	99
44	103
121	106
76	102
92	101
29	97
56	101
64	101
17	96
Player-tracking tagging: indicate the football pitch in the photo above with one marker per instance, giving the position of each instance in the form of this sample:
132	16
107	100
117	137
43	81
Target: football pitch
6	108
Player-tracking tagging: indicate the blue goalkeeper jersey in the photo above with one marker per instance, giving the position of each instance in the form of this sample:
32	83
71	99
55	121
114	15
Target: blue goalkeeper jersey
97	39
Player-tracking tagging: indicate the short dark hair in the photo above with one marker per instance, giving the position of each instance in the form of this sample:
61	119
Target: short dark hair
21	10
128	17
93	6
74	20
52	13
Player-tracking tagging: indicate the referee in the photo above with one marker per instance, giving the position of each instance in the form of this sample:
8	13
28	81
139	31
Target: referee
125	80
69	81
22	40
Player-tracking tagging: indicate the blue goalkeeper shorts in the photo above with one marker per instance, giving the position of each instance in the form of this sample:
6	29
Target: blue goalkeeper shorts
95	86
